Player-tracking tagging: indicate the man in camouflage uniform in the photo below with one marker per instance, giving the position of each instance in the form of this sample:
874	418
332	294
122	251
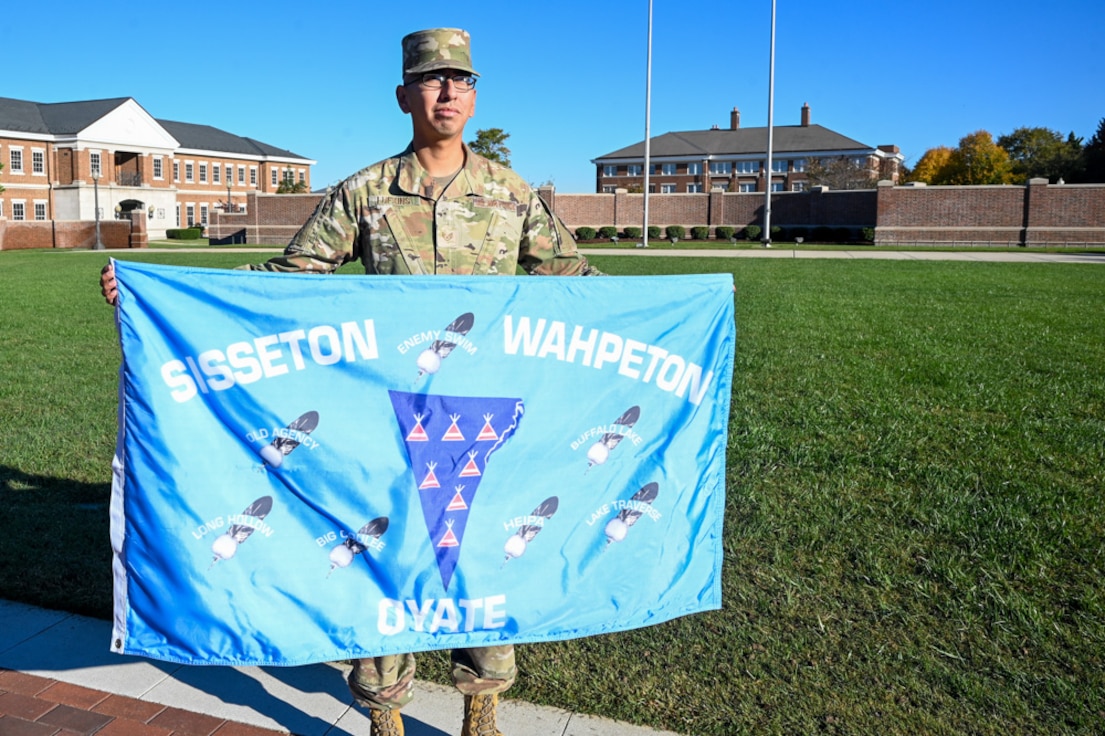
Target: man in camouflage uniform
435	208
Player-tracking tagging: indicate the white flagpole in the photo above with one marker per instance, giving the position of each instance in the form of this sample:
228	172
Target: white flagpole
770	133
648	107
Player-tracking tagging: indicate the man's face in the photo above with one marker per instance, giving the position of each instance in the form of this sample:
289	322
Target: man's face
437	114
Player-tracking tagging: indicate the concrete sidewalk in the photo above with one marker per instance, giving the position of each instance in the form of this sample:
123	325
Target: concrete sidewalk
61	679
1026	256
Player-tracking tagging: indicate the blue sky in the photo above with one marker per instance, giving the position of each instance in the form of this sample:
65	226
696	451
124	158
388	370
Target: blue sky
567	79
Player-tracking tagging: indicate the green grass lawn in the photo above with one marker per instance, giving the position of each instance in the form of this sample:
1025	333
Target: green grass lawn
915	517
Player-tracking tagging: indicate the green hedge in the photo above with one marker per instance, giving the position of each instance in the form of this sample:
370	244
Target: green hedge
609	232
700	232
675	232
725	232
585	233
184	233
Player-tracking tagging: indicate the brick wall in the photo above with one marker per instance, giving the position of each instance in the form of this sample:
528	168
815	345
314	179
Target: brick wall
1038	214
269	218
27	234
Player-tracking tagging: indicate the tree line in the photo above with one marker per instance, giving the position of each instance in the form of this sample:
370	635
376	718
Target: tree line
1014	158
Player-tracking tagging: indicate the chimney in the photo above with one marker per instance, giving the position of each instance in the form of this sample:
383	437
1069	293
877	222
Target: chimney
735	119
805	115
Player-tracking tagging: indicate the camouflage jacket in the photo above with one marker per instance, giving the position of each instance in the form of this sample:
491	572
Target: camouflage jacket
389	215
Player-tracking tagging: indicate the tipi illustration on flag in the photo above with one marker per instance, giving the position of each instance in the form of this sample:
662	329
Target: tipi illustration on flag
448	440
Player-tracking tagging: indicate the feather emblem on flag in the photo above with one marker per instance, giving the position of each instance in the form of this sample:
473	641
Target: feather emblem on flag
226	546
429	361
618	527
289	438
516	545
342	554
600	451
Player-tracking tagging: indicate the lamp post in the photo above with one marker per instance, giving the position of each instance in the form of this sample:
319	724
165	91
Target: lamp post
770	130
99	245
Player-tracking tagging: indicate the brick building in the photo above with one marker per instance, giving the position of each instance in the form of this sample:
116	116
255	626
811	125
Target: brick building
62	159
734	160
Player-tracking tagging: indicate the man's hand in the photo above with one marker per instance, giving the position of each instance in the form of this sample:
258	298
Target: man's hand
107	284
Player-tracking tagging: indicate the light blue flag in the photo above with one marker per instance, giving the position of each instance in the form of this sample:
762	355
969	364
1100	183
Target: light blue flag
319	468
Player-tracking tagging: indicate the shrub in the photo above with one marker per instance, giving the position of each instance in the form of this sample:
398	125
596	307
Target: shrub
653	232
752	232
725	232
868	234
700	232
585	233
184	233
632	232
778	233
675	232
822	234
609	232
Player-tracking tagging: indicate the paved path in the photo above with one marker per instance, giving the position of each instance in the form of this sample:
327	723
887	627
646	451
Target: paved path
57	677
1025	256
893	255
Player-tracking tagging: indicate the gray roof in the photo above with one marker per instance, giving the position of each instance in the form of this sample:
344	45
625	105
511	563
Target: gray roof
208	138
69	118
787	139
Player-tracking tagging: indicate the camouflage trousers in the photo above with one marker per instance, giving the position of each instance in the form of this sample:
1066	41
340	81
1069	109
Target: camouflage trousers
386	683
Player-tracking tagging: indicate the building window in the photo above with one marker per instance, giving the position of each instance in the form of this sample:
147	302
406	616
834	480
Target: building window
779	166
16	156
94	162
694	188
289	176
190	213
203	173
1	208
216	174
176	177
694	169
38	162
667	189
748	167
778	186
178	215
203	214
302	176
40	210
798	164
721	168
189	172
158	171
798	186
608	188
609	170
667	169
747	186
253	176
634	169
274	176
241	174
19	211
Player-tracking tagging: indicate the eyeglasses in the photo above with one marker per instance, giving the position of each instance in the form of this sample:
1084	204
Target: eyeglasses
436	80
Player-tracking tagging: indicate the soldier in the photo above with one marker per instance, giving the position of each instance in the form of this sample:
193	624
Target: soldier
435	208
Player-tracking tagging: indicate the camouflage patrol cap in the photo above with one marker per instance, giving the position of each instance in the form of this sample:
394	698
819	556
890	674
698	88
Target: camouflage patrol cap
437	48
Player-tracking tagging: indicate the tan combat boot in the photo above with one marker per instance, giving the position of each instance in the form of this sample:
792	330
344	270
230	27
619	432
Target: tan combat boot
479	716
385	722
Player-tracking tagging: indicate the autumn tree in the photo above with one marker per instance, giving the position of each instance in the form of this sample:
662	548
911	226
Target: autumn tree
1042	153
491	144
978	160
930	169
841	172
